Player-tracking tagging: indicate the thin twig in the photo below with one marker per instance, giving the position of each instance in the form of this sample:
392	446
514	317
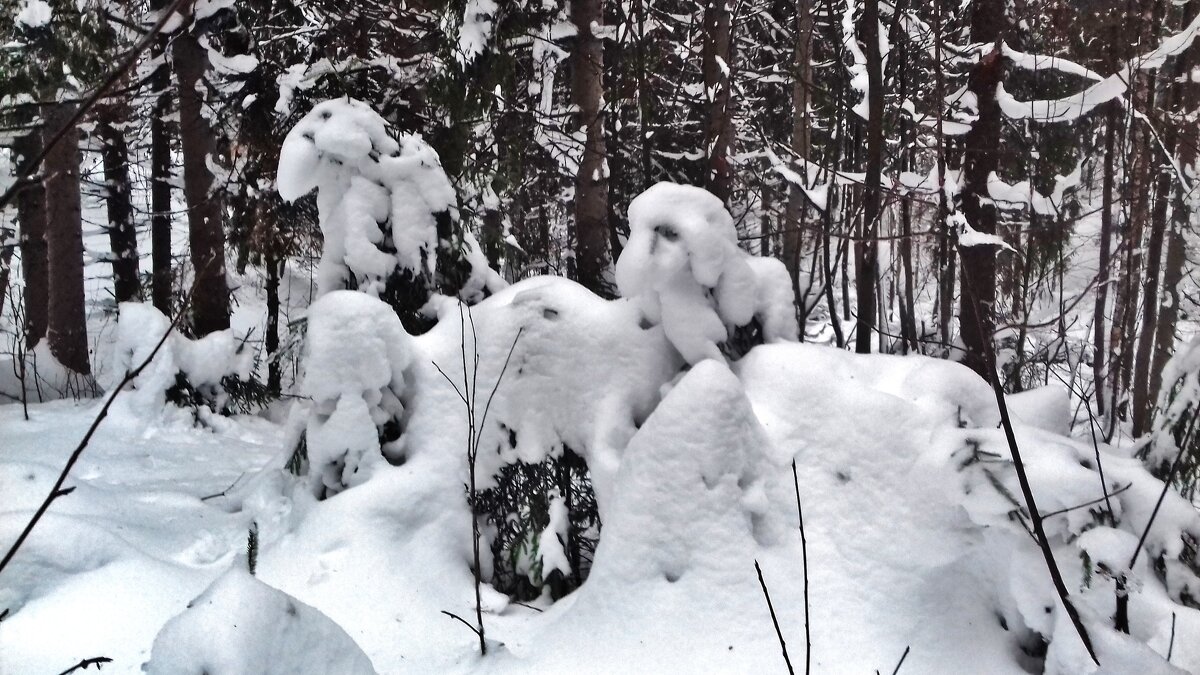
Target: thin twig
84	664
222	493
1094	501
463	621
804	564
774	620
902	657
1035	516
1171	644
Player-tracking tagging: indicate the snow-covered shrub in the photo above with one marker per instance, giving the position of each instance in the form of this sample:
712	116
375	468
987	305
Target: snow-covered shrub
683	266
1093	527
543	526
211	374
388	213
240	625
1175	419
357	352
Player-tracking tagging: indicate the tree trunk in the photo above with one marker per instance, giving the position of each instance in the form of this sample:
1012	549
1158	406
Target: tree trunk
121	234
801	141
31	216
977	304
1164	336
160	175
866	273
592	258
210	293
66	320
1143	398
275	267
947	240
1102	280
717	66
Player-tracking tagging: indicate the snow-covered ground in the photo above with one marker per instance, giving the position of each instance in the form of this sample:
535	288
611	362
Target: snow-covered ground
693	489
914	532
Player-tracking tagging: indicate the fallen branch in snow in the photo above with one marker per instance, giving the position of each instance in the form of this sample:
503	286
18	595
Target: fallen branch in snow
467	396
58	491
774	620
1171	644
84	664
1035	516
804	562
464	622
901	662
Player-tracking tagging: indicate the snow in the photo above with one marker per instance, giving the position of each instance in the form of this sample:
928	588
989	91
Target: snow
907	546
683	266
365	178
35	14
357	352
476	29
204	362
241	625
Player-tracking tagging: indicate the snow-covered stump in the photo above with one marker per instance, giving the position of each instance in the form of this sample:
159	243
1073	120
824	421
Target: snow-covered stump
682	265
387	211
240	625
357	352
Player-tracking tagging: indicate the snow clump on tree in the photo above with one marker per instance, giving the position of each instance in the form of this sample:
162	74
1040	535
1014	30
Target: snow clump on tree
354	373
683	267
387	211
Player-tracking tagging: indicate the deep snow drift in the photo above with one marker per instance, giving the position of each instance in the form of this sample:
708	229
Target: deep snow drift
907	547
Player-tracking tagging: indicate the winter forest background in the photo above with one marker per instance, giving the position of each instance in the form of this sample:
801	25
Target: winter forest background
599	336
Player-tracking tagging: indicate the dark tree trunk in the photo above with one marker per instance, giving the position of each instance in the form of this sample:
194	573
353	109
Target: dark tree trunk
31	216
66	320
1102	280
210	293
978	263
866	273
275	267
160	176
592	257
801	141
948	239
717	65
121	234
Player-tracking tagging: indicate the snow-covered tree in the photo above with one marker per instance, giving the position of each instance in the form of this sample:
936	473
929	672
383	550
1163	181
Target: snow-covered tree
388	214
682	265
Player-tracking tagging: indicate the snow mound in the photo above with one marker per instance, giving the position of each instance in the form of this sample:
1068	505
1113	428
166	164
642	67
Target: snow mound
241	625
690	513
357	352
683	266
204	363
1093	526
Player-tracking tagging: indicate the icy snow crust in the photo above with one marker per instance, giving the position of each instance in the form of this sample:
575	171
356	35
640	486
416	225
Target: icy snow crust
909	545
